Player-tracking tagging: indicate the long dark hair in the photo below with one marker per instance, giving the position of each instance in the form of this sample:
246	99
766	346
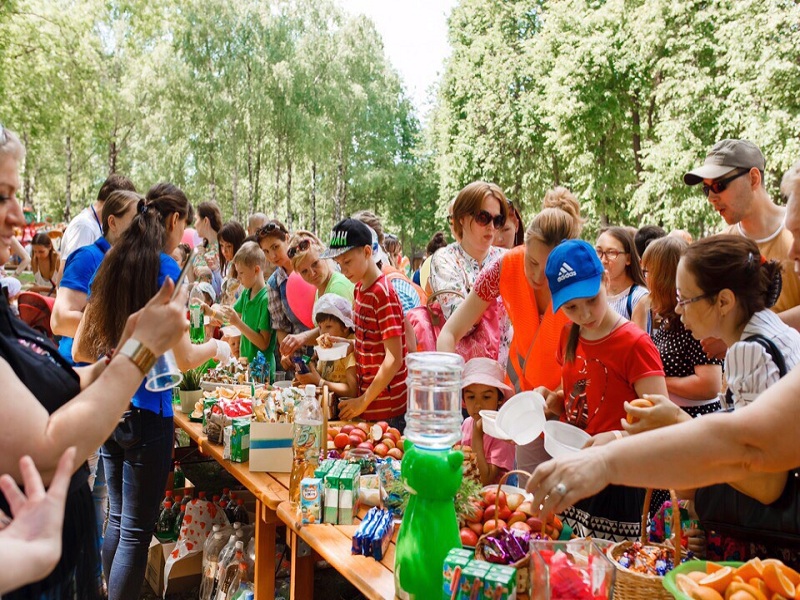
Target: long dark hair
624	237
233	233
137	252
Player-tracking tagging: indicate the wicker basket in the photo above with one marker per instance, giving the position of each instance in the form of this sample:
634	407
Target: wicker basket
522	565
631	585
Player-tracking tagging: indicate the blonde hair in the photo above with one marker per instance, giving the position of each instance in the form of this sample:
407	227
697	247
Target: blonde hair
560	219
298	237
250	255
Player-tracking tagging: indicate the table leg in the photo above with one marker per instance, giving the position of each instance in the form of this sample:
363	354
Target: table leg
303	558
266	522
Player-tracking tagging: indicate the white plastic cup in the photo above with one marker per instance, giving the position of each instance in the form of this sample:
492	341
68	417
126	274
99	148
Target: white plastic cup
164	375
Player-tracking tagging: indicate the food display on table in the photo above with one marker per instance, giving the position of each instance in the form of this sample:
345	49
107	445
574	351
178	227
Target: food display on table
571	570
757	579
378	438
235	372
276	405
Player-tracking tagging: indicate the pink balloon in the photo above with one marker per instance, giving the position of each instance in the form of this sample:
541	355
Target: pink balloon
300	296
190	237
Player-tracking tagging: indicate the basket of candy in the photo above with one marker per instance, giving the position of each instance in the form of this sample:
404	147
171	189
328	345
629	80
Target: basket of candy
641	565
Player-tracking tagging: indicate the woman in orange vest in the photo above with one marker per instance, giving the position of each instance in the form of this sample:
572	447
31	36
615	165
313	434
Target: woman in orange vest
536	329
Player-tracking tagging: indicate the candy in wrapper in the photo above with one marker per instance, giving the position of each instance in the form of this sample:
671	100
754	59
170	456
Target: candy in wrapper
383	535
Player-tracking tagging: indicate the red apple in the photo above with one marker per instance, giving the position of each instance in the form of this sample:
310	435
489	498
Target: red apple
474	514
504	513
333	431
526	507
521	525
366	446
468	537
341	441
363	427
390	443
492	497
516	517
376	433
535	524
395	453
355	440
360	433
347	429
493	524
476	527
384	426
490	512
515	500
380	450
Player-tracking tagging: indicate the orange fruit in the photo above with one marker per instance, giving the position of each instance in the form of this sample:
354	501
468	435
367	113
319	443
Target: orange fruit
735	586
719	580
752	568
789	572
702	592
697	575
777	597
760	586
712	567
738	595
685	583
777	582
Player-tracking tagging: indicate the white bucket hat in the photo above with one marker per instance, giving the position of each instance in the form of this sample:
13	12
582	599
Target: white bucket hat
333	304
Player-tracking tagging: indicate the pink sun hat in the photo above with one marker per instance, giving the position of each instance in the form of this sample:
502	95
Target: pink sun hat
486	371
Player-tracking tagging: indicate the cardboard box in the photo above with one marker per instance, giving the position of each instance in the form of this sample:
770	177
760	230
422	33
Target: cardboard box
270	447
311	500
330	501
349	482
185	574
240	440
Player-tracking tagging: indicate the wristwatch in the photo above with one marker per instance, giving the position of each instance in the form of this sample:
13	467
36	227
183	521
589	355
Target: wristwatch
139	354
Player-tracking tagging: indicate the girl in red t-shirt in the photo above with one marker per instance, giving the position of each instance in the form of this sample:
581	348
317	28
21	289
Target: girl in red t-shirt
605	360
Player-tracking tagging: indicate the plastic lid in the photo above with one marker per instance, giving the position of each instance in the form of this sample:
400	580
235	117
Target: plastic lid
202	495
239	546
183	508
240	502
311	390
167	504
169	493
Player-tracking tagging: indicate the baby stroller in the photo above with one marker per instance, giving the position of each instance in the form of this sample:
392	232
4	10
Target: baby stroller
35	310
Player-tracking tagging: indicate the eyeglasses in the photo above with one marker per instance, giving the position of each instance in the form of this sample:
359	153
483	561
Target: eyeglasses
609	254
683	302
720	185
483	218
301	246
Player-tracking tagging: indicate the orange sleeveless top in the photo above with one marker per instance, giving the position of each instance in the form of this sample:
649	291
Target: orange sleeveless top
532	355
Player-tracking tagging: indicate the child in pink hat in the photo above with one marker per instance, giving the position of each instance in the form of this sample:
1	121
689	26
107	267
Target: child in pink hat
483	388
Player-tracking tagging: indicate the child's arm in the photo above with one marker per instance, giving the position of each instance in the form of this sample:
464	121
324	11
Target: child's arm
489	473
349	409
260	339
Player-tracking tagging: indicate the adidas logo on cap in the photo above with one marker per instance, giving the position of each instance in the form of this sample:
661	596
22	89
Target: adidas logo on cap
565	272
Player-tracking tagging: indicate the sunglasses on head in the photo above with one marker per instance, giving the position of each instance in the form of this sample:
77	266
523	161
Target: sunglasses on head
720	185
301	246
268	229
483	218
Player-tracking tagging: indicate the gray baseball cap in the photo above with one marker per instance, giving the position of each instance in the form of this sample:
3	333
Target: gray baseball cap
724	157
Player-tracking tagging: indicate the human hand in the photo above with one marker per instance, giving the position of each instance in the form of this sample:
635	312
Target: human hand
553	401
601	439
161	323
663	412
559	483
714	347
223	354
287	364
697	541
228	314
31	544
212	261
312	377
292	342
327	340
349	409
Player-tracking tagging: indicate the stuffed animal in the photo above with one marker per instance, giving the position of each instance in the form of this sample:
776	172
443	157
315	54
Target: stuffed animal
429	529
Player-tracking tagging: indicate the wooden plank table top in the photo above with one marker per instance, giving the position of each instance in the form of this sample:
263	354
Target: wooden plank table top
269	488
374	579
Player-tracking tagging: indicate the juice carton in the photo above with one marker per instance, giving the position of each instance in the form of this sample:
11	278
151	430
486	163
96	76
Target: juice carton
311	500
500	583
472	580
349	483
331	498
457	559
323	468
240	439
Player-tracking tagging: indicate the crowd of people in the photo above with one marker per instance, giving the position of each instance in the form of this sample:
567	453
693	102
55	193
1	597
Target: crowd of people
705	331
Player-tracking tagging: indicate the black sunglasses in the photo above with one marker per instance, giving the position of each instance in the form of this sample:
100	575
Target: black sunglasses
483	218
720	185
301	246
268	229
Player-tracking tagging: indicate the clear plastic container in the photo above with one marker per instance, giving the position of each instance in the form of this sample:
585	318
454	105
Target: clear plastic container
433	415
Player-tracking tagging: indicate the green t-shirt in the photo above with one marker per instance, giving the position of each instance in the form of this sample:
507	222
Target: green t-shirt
341	286
255	314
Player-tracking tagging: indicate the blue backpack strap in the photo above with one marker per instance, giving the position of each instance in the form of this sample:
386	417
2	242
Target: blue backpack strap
629	302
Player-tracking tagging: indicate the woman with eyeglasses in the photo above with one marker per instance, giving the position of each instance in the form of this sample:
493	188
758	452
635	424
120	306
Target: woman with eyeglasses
480	209
512	234
627	290
725	290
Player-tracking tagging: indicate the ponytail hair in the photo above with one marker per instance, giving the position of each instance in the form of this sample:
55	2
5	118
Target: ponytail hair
734	262
136	257
572	342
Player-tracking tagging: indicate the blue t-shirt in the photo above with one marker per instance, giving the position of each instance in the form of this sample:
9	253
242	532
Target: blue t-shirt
153	401
78	274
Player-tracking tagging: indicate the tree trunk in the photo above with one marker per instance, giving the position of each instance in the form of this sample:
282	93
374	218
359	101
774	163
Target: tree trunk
339	200
276	200
289	215
27	186
113	154
68	189
250	177
637	138
313	197
235	193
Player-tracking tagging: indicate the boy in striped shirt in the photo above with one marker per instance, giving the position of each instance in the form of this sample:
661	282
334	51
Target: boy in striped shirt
380	346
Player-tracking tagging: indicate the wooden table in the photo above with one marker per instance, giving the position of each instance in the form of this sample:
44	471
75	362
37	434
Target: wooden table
270	490
333	543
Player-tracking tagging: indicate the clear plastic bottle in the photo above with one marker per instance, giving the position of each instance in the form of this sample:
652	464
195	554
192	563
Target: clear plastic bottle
223	558
197	330
176	527
228	572
433	415
211	549
226	495
165	523
167	498
240	584
178	478
307	444
240	513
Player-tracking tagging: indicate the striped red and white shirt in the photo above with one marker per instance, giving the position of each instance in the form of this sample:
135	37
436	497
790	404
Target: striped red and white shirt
378	316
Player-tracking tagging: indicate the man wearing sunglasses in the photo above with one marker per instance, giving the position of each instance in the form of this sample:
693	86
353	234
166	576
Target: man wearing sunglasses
732	179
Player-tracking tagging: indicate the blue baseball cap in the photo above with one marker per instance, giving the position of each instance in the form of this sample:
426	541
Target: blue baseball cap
573	271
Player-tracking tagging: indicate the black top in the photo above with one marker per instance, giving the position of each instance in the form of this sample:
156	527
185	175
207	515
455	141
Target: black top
38	365
679	351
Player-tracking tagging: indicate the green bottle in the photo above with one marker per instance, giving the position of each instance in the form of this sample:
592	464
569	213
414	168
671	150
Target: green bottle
197	330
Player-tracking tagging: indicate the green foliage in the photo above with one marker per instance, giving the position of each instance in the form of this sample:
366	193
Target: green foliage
289	108
615	99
